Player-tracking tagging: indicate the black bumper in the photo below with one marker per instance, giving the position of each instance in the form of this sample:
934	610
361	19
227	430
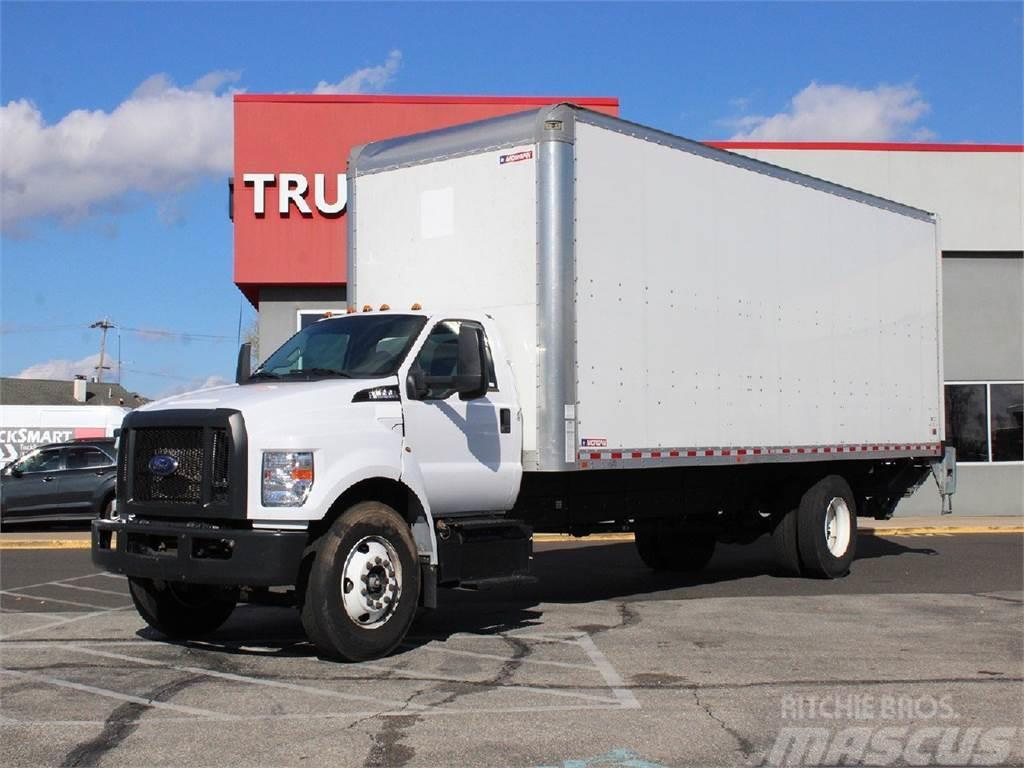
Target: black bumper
201	555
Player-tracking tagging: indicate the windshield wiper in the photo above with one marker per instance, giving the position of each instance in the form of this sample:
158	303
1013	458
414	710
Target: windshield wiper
264	375
325	372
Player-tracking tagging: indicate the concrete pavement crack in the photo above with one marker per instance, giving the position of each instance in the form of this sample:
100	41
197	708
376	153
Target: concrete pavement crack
744	745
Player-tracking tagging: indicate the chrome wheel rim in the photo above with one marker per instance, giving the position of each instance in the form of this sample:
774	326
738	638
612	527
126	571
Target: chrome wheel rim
838	526
371	582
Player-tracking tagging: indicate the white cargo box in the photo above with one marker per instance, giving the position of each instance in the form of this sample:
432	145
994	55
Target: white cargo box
662	302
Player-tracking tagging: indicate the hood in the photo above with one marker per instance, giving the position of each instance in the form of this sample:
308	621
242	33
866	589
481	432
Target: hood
292	396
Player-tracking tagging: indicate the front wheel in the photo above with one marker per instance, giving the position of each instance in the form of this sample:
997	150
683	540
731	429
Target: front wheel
363	586
181	610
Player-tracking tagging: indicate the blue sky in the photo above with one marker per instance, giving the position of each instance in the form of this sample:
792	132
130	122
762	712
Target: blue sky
134	226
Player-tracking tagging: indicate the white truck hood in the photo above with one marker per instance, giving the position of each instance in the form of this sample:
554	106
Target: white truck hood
292	397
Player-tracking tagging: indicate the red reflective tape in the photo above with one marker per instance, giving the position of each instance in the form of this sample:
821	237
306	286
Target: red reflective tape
741	452
691	453
595	455
655	454
616	455
725	452
637	455
709	453
757	451
674	454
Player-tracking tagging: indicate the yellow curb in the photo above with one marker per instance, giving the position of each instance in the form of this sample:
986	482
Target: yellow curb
46	544
950	530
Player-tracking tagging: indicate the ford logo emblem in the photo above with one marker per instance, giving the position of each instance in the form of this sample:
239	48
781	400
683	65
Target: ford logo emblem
163	465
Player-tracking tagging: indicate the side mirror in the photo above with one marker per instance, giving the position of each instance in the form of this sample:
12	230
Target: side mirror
244	366
416	385
471	373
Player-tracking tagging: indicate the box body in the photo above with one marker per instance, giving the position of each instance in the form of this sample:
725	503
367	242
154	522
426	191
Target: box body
662	301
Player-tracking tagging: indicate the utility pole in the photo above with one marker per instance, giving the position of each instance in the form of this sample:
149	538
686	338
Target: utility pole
104	325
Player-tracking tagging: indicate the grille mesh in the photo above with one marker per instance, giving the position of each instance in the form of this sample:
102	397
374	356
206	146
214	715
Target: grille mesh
219	465
185	445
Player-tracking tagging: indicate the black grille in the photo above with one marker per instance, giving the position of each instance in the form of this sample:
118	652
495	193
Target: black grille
220	465
184	484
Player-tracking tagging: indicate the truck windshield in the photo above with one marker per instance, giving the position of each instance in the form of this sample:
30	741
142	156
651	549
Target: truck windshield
354	346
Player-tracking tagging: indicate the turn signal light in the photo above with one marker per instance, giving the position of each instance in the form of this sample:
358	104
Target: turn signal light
300	473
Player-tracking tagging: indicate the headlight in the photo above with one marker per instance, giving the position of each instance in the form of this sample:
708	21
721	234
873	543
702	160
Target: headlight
287	478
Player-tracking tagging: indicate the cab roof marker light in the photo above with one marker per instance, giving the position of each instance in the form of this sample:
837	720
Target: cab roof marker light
416	307
367	308
351	310
385	307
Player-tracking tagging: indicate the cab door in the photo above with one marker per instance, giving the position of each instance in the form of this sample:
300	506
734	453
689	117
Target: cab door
469	451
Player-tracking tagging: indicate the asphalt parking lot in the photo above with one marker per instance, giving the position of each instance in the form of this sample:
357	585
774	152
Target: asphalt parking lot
601	663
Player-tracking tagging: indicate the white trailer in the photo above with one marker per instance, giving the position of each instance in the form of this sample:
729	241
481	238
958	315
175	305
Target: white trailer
559	321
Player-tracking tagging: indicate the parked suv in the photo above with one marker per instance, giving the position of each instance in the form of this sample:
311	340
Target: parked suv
62	481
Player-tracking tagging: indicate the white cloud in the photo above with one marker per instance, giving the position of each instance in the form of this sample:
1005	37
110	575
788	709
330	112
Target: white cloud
160	139
841	113
366	79
65	370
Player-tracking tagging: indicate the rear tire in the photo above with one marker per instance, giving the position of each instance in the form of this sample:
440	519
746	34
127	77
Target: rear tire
665	547
181	610
827	528
363	586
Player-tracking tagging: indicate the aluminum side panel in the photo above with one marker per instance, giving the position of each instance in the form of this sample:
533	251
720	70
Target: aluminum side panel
458	234
717	306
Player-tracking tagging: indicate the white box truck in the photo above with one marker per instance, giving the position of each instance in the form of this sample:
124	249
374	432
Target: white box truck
559	321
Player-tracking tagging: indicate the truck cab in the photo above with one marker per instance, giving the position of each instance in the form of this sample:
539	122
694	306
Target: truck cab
404	423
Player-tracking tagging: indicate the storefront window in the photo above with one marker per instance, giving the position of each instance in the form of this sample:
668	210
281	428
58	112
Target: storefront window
1007	424
967	421
984	421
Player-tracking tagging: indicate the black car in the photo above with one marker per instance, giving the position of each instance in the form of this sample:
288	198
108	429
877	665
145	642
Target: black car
60	482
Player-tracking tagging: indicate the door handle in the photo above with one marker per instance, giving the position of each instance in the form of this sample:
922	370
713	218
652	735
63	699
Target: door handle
505	416
49	479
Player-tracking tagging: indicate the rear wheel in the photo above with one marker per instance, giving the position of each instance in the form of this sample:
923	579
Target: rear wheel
827	528
363	585
666	547
181	610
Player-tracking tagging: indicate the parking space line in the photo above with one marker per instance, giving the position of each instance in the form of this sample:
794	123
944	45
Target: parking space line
21	596
245	678
612	677
306	716
496	657
90	589
209	714
61	622
58	582
410	673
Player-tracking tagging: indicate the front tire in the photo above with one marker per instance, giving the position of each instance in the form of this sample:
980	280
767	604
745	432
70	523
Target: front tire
827	528
363	586
180	610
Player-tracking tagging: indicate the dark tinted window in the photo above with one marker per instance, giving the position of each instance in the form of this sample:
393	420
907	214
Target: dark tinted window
86	456
967	421
1007	425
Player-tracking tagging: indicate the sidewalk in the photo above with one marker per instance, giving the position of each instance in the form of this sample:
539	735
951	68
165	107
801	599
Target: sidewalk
932	525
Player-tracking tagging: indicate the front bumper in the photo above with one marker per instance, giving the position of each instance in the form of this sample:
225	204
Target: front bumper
188	552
